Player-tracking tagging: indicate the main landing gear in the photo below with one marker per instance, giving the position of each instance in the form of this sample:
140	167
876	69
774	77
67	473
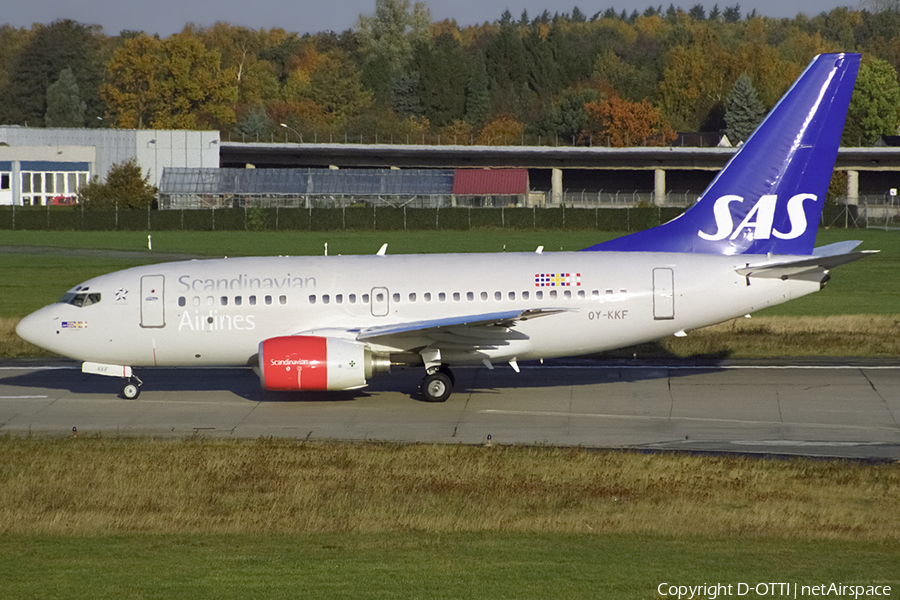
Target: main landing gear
438	384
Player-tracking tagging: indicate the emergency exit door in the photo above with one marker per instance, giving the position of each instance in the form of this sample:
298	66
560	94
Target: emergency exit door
663	294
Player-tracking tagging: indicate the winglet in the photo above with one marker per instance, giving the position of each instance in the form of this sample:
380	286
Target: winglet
382	251
769	197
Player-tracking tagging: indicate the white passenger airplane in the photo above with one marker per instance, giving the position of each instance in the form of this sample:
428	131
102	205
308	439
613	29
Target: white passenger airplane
331	323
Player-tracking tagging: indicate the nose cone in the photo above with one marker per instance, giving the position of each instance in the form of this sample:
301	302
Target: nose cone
38	328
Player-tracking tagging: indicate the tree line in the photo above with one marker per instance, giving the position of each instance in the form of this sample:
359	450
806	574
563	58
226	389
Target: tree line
610	78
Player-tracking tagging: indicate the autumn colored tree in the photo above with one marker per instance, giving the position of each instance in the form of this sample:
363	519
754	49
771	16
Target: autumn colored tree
622	123
196	93
174	84
502	131
458	132
132	91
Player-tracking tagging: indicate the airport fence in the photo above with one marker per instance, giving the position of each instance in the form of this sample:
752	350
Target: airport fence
379	218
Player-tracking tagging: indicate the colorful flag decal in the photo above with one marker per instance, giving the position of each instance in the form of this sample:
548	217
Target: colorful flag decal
557	279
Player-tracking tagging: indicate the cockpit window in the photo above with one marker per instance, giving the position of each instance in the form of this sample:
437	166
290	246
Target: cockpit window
80	299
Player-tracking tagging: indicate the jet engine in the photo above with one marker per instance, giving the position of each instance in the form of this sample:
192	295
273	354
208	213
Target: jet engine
317	363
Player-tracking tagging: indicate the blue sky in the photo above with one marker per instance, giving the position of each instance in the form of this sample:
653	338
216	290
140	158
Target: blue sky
169	16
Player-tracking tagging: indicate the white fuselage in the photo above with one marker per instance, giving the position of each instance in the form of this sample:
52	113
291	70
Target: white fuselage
216	312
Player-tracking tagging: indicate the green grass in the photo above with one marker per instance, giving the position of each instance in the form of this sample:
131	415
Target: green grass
142	518
421	565
302	243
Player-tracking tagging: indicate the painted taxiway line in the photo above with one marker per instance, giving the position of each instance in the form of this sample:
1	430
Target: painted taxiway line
534	413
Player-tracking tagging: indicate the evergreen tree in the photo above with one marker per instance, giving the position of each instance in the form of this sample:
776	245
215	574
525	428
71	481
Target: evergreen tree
697	13
442	79
507	68
566	118
732	14
405	95
386	41
478	95
65	108
52	48
255	125
743	110
671	13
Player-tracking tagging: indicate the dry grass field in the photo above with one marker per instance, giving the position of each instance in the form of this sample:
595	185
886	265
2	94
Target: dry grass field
95	486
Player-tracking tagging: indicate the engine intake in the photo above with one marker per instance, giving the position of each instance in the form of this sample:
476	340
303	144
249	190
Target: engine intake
317	363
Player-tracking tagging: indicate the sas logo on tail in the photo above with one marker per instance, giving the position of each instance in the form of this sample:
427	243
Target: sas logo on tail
760	219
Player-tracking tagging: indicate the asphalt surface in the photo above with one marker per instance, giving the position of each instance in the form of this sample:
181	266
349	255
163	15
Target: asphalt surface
847	408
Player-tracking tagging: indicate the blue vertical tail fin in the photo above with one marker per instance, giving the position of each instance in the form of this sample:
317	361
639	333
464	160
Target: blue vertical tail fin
770	195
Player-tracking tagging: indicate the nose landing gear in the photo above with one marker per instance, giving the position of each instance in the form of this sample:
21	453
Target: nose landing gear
131	388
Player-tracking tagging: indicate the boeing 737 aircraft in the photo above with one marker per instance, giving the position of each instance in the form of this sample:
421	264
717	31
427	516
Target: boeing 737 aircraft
332	322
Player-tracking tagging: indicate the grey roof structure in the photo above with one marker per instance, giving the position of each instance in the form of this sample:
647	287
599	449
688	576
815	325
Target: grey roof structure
345	182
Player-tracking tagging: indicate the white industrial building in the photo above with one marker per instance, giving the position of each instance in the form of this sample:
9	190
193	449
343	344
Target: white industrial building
47	166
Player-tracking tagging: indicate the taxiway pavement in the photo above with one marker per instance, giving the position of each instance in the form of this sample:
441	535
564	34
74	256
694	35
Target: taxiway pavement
816	408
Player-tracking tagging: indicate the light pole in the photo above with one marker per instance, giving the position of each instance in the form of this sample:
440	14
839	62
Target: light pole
299	135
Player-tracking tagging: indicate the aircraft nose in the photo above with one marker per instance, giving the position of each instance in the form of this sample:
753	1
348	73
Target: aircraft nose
36	328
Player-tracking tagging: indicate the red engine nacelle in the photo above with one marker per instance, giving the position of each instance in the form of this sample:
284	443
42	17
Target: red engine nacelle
316	363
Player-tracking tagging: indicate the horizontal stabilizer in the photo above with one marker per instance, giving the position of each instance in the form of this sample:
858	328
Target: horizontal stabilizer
812	269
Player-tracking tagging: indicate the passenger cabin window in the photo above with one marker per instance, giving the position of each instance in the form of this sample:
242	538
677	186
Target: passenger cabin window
282	299
182	301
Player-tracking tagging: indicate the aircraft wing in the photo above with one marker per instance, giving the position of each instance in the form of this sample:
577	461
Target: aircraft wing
499	319
812	269
466	334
